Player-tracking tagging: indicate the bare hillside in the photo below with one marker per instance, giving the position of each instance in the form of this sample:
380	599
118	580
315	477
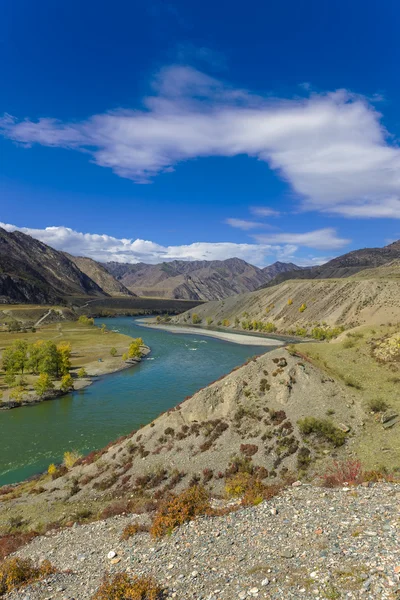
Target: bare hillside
301	303
99	274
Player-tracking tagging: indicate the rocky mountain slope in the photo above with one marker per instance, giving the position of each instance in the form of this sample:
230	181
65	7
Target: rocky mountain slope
250	417
305	543
297	303
99	274
32	272
194	280
344	266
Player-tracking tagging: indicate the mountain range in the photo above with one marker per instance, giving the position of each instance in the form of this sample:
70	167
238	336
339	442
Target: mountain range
343	266
195	280
32	272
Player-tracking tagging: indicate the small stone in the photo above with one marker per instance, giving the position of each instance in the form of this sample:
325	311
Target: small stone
115	561
242	595
274	511
296	484
286	554
254	590
111	554
265	582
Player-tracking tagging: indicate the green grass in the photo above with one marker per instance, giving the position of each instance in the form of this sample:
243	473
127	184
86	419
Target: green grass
367	380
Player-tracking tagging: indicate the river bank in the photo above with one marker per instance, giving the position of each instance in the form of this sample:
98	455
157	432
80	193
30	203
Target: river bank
236	338
178	366
91	351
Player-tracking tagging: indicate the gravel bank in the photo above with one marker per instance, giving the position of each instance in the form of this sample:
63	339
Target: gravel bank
236	338
306	543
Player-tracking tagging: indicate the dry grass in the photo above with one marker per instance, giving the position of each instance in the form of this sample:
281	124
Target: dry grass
172	513
16	572
123	587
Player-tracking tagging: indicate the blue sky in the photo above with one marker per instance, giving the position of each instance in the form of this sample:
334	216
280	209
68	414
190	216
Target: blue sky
141	130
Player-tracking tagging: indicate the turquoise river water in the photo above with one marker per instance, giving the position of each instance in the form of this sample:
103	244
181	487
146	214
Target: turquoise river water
179	364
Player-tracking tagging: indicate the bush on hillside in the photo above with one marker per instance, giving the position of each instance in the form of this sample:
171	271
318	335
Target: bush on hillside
123	587
190	504
323	429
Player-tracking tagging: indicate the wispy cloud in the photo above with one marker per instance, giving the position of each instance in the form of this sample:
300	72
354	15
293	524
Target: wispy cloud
244	224
331	148
322	239
106	248
264	211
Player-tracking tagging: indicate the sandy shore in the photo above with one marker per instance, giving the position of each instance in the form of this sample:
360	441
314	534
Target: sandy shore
236	338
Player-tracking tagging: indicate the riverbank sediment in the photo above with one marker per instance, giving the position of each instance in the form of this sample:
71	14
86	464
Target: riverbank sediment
236	338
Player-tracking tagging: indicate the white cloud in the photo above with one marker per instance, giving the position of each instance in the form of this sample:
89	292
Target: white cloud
106	248
331	148
322	239
264	211
243	224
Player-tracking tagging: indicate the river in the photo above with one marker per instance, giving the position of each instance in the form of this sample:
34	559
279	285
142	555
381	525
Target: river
32	437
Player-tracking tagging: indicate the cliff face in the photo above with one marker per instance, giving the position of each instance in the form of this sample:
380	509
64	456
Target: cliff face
99	274
194	280
31	271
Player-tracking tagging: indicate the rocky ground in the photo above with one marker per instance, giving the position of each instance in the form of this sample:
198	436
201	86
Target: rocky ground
309	542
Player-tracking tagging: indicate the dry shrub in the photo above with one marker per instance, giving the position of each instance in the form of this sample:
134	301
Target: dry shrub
133	529
10	542
248	449
123	587
250	488
16	572
172	513
342	472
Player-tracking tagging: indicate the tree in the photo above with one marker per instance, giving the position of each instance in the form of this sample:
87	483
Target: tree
35	353
64	357
10	379
86	320
49	361
17	394
43	384
134	350
103	328
14	326
67	383
196	319
113	351
15	358
82	373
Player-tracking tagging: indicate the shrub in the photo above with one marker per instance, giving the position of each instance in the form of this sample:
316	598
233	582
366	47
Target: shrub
67	383
264	386
133	529
82	373
187	506
377	405
303	458
248	449
86	320
16	572
290	302
10	542
303	307
196	319
209	321
339	473
322	428
113	351
236	485
123	587
52	469
226	323
70	459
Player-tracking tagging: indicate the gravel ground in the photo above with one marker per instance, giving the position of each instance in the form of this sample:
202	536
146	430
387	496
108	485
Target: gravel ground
306	543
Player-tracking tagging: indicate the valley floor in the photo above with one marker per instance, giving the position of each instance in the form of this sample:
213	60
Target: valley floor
309	542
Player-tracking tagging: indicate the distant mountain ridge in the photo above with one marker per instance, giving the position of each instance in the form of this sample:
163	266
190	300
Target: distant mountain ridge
31	271
99	274
194	280
343	266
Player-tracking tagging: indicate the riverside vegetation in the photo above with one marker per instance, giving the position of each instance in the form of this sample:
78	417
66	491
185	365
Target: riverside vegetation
57	358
